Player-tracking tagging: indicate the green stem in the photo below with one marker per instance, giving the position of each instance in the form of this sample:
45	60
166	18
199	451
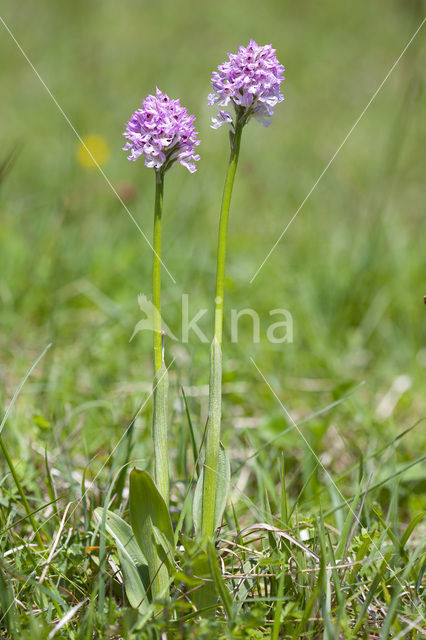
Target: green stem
21	493
159	427
156	270
158	571
223	228
208	524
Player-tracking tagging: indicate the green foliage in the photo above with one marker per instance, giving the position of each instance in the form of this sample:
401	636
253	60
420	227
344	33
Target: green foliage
223	483
350	268
132	561
209	502
161	464
152	529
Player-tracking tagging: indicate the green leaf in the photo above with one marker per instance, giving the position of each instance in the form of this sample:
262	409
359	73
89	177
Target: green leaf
223	481
275	631
132	561
409	530
195	563
8	606
218	580
192	434
147	503
159	433
351	518
210	470
152	527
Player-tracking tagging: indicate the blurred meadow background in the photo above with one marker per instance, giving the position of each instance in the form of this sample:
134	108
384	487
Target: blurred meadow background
350	268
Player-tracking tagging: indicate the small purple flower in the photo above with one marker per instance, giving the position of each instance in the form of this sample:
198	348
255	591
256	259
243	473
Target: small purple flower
250	81
163	132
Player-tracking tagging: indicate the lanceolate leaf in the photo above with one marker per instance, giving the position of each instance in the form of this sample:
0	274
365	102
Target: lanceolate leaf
152	528
409	530
218	580
147	503
351	518
223	481
132	561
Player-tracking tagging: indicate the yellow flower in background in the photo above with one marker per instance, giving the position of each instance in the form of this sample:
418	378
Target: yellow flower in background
93	151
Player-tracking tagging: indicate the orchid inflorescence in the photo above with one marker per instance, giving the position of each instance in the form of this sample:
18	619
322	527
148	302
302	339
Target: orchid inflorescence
249	81
163	133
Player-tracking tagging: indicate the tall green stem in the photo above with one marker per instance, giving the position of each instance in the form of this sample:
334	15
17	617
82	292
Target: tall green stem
215	391
223	229
156	270
161	458
157	570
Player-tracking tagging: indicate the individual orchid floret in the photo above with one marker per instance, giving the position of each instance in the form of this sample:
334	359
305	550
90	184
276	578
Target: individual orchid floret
163	132
250	82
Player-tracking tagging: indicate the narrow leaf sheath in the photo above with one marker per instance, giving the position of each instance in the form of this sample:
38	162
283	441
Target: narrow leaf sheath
213	440
161	459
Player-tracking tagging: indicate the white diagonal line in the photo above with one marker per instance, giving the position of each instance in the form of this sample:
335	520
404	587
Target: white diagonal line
55	544
330	162
113	189
67	617
18	390
356	517
65	519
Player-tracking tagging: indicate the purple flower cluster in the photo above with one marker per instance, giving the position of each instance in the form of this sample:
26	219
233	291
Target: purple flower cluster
251	81
163	132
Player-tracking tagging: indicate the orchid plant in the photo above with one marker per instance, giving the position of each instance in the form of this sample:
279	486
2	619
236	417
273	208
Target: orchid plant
249	82
162	131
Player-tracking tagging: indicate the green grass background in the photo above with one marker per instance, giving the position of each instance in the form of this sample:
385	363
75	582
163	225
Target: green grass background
350	269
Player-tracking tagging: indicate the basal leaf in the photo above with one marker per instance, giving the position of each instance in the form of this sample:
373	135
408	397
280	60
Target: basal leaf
132	561
152	527
222	491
